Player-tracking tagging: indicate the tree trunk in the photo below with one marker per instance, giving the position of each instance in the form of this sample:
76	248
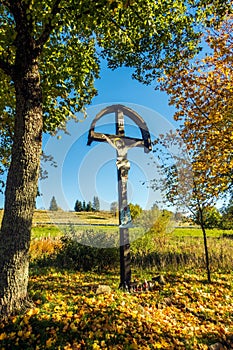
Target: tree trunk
206	254
205	245
21	186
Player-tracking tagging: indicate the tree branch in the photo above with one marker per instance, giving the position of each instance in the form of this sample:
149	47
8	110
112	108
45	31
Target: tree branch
49	26
5	3
55	10
6	67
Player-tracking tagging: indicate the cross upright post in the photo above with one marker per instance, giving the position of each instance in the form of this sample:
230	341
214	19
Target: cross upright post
122	144
123	167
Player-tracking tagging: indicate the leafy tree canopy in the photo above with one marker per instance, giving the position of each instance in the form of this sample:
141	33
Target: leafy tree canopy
68	38
135	210
203	95
211	217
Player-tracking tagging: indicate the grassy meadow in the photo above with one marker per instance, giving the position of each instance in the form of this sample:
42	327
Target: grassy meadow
66	312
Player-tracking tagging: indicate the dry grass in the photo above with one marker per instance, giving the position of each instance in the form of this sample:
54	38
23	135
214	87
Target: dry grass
44	247
49	217
60	216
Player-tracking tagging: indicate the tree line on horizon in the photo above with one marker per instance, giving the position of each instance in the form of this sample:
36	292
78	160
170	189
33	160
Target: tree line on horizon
89	206
212	216
79	205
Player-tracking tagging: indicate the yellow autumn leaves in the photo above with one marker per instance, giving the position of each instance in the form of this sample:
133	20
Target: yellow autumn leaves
184	313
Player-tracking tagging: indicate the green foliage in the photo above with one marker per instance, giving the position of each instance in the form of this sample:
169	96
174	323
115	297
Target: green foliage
135	210
68	39
156	224
211	217
181	249
227	216
89	206
155	220
96	204
78	206
82	206
69	59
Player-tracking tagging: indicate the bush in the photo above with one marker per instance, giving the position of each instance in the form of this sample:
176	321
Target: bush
77	252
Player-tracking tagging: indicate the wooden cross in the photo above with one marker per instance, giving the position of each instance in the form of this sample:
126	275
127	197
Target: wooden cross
122	144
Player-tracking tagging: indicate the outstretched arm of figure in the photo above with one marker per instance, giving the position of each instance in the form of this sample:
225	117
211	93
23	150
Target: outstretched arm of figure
122	144
134	144
140	142
109	141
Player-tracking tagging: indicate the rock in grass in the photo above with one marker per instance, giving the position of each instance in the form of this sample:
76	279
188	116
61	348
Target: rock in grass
159	279
103	289
216	346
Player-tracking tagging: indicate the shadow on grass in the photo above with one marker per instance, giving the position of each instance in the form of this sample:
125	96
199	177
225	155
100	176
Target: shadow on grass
107	327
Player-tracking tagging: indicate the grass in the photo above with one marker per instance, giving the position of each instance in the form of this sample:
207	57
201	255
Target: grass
184	313
45	217
46	230
197	232
60	216
43	224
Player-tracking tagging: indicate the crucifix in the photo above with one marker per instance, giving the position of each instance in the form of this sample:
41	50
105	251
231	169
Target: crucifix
122	144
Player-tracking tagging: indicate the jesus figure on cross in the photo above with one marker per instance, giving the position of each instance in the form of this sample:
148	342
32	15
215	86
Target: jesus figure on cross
122	149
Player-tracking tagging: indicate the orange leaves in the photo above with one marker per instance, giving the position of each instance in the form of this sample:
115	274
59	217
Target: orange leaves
203	96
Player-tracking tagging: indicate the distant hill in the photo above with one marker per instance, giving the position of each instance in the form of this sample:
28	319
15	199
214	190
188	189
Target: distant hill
60	216
42	217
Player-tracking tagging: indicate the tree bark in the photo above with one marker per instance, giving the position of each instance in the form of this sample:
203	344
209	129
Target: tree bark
21	186
205	245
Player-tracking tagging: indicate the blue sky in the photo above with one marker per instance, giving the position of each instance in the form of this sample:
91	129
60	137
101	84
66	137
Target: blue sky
87	171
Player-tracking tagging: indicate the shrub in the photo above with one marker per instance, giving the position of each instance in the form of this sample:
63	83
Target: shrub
43	251
78	252
41	248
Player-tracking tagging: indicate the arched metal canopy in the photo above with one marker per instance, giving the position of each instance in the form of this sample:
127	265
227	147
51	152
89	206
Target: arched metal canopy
121	111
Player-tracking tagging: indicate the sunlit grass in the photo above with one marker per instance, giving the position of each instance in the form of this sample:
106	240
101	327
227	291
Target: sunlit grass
185	312
197	232
46	231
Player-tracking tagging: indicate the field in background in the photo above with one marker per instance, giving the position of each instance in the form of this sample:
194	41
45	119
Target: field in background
102	218
49	217
197	232
44	224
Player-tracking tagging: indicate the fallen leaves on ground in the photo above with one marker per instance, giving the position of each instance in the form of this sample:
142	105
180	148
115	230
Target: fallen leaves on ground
185	313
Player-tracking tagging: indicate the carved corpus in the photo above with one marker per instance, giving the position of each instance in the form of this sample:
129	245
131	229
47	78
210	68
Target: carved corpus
122	144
